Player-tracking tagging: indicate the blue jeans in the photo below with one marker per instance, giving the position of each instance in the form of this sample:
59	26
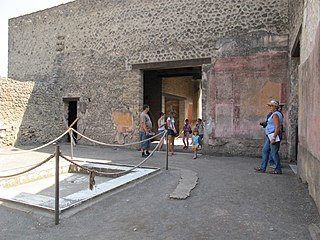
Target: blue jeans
146	144
271	150
271	162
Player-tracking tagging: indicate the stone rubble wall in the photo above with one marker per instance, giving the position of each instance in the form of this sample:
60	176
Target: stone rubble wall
28	117
295	19
14	99
295	25
86	49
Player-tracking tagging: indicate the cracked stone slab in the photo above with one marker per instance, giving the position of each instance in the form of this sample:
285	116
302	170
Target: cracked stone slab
187	182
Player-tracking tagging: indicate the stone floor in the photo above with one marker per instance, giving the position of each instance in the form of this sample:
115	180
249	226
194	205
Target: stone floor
229	201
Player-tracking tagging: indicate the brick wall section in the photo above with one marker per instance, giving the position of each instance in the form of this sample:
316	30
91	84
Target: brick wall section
86	48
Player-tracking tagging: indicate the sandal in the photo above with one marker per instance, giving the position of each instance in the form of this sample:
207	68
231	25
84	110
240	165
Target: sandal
259	169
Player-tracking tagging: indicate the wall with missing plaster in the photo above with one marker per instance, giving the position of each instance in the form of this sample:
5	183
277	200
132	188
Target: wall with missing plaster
86	49
248	71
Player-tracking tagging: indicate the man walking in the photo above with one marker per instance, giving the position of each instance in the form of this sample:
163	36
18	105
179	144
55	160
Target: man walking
145	130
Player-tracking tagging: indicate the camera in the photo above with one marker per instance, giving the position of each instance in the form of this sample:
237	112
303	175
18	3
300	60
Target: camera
263	124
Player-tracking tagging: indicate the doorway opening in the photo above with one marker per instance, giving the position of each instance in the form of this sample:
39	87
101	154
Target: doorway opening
294	64
71	110
174	89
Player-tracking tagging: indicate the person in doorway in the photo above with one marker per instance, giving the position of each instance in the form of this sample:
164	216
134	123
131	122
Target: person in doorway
195	142
161	128
145	131
272	143
171	131
186	132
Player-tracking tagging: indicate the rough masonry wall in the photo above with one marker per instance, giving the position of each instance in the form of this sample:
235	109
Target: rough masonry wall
295	26
14	98
86	49
295	19
309	111
23	102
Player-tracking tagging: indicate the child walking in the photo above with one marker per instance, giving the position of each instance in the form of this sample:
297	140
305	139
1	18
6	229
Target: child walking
195	142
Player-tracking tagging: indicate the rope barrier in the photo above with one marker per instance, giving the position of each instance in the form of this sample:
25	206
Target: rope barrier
38	148
90	139
179	136
111	174
115	145
92	172
30	169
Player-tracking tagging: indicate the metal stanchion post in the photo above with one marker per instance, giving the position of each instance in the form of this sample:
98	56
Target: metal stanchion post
56	209
167	152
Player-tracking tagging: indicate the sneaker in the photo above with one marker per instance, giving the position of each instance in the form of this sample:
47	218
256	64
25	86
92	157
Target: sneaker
147	152
259	169
273	166
143	155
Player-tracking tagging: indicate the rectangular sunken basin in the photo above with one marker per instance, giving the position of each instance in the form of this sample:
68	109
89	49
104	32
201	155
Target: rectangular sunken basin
73	185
